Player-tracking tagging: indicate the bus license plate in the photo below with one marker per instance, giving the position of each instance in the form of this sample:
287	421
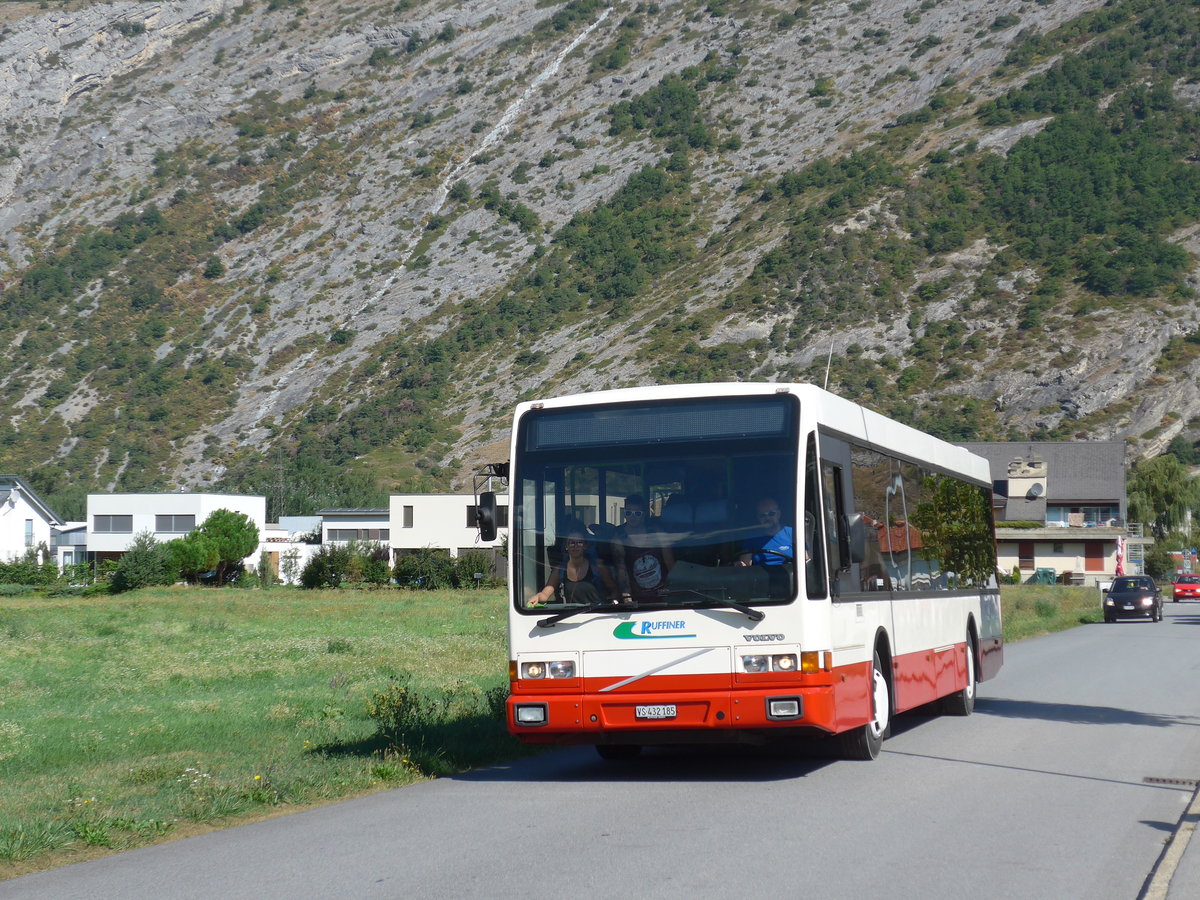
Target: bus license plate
655	712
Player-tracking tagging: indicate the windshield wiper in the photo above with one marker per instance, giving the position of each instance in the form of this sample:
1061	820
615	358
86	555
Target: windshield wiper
750	612
551	621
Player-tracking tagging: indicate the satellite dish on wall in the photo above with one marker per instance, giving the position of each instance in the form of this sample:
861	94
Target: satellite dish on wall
1035	490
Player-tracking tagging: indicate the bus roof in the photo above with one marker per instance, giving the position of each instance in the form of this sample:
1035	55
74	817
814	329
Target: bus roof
833	413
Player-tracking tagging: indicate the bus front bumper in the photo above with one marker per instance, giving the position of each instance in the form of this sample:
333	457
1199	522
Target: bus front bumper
669	718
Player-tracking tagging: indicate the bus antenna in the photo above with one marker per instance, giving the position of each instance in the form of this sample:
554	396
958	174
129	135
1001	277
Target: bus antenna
828	363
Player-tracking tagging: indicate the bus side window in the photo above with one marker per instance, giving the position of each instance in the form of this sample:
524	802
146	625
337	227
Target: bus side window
836	536
812	532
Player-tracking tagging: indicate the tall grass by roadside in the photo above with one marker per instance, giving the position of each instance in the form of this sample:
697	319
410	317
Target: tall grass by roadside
1030	610
126	718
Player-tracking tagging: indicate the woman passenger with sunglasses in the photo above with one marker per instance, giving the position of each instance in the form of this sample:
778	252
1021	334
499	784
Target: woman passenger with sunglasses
580	577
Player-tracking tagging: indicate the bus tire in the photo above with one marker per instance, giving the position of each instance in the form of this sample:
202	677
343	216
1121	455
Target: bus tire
617	752
962	703
866	741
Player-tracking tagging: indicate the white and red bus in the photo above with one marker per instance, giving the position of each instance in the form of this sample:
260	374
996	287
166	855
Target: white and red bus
800	566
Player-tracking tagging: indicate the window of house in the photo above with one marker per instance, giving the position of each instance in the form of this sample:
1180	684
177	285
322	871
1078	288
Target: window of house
408	517
358	534
174	524
112	524
1058	548
29	532
1025	557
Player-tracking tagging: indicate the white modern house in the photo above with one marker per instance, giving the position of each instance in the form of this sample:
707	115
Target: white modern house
341	526
441	521
115	519
26	522
288	545
68	543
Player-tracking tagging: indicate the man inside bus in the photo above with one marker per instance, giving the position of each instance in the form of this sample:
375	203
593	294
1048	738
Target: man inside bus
643	556
773	546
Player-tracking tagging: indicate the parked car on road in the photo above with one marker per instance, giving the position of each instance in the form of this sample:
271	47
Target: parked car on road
1133	597
1185	587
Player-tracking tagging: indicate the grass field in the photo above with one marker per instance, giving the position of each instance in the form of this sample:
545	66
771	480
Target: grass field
123	719
158	713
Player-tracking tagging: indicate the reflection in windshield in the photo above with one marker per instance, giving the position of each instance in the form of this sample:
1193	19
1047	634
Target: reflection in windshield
656	505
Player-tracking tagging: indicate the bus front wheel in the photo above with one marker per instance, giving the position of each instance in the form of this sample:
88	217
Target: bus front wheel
866	741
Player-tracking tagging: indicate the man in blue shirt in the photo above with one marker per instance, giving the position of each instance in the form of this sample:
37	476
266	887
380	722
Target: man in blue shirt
776	539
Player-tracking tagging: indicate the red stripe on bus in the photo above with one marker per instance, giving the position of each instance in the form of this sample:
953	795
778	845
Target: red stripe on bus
832	701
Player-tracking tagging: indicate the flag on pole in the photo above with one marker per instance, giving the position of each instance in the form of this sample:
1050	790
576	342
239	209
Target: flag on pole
1120	555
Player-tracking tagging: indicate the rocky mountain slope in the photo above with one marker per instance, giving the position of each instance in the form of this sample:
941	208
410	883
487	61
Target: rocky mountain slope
319	249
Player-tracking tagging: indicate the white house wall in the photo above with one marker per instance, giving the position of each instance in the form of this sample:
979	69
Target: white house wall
337	521
145	508
438	521
14	513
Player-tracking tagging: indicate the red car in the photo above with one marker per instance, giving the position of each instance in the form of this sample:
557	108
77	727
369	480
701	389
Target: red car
1185	587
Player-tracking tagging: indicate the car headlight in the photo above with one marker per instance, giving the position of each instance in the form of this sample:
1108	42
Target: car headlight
1147	601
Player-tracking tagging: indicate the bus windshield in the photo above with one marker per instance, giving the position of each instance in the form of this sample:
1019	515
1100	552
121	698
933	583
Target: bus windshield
656	504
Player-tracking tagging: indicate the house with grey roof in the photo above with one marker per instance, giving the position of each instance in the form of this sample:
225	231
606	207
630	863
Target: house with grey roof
26	520
1060	510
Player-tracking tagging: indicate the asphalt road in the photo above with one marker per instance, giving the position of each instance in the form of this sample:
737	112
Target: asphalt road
1041	794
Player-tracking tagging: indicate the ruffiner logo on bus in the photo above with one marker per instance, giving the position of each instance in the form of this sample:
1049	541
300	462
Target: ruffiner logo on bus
637	631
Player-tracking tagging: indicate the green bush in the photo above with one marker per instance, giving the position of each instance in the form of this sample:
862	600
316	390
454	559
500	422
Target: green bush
27	569
439	731
425	568
327	567
145	564
471	563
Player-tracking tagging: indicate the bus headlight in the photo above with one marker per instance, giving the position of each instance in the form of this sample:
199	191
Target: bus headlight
784	662
754	663
533	670
559	668
562	669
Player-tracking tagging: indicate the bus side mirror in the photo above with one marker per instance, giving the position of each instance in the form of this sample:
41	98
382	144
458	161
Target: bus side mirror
485	515
857	532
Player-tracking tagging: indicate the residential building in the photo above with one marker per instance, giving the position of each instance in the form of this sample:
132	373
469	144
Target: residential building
441	521
68	543
341	526
26	521
115	519
1060	510
288	545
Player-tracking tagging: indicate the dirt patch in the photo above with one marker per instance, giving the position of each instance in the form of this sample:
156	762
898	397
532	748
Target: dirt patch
13	11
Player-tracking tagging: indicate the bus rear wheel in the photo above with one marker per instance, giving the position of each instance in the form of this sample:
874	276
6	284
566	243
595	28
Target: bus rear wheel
614	752
866	741
962	703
